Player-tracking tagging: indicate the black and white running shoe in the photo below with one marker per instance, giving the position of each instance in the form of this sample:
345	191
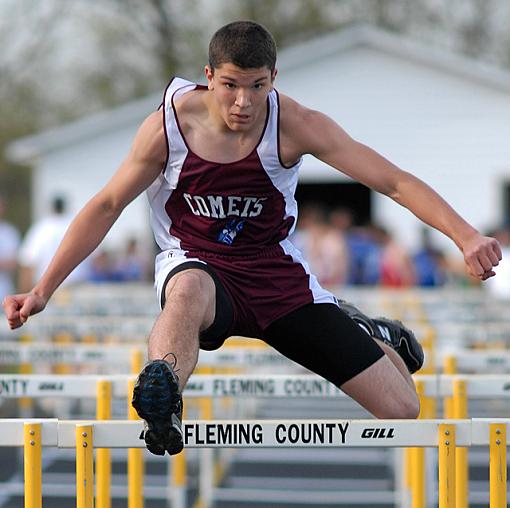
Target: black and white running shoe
391	332
158	401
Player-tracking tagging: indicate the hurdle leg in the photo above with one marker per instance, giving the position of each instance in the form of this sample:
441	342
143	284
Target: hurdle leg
498	465
417	460
64	405
418	477
460	411
135	461
33	465
25	404
103	456
449	367
447	466
84	467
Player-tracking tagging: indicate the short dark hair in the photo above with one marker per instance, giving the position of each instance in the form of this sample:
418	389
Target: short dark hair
245	44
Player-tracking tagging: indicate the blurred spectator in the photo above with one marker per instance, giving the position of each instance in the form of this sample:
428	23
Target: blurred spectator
9	244
338	252
499	286
102	269
369	248
361	246
323	246
41	242
132	265
396	266
429	263
309	214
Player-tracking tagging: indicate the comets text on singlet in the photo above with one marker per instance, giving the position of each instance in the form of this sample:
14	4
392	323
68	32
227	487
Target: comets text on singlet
220	207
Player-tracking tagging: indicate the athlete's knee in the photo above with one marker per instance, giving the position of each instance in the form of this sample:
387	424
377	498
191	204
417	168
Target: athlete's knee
190	285
411	408
407	408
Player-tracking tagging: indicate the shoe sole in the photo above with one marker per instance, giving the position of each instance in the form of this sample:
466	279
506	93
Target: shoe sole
163	429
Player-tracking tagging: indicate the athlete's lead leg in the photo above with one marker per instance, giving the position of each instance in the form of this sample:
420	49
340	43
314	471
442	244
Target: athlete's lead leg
189	309
173	348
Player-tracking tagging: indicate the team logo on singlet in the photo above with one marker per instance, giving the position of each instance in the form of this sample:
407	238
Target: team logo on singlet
228	234
221	207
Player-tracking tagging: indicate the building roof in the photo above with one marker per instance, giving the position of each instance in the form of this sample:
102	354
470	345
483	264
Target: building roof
26	149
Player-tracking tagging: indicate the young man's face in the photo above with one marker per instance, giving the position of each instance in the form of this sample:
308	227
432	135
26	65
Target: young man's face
240	94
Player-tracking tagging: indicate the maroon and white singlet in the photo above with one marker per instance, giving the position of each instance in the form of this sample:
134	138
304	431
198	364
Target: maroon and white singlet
236	218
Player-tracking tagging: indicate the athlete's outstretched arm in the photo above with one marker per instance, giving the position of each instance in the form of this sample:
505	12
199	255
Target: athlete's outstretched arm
140	168
320	136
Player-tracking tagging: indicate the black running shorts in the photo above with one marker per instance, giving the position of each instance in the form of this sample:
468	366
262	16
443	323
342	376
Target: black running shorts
322	338
318	336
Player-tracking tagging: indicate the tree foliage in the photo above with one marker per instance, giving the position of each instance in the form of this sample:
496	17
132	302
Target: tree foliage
65	59
291	21
27	29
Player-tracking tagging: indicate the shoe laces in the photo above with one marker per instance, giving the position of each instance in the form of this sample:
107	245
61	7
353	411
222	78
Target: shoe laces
173	362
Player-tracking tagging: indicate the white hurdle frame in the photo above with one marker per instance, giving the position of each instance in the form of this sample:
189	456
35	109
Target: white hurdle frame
84	436
12	352
244	385
260	433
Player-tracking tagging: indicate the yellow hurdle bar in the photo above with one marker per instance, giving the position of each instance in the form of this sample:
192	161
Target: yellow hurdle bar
135	459
135	465
136	361
429	404
33	465
498	465
449	367
418	477
25	403
460	411
417	460
103	456
446	465
84	467
62	338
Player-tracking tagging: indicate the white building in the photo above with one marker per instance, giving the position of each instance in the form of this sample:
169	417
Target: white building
440	116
